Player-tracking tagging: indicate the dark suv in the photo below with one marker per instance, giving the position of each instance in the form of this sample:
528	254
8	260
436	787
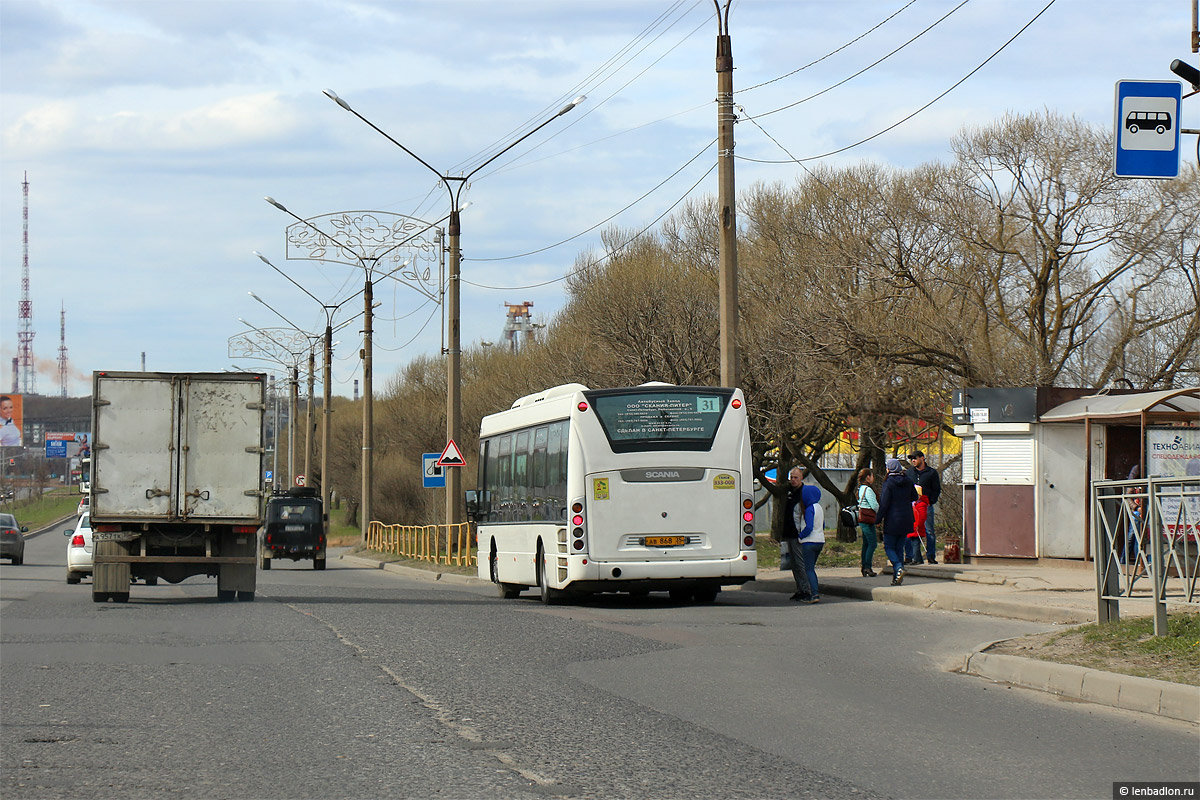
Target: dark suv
295	528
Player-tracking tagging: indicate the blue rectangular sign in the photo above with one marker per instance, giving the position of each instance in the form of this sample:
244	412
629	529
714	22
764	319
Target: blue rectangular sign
1146	122
433	476
56	448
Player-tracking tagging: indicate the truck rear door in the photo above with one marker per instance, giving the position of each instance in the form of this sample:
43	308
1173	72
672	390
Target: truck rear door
133	462
221	448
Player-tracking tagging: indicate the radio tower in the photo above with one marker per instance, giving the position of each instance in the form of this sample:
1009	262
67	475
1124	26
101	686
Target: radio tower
62	353
25	305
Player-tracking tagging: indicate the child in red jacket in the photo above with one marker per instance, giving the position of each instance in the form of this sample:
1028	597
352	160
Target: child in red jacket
920	514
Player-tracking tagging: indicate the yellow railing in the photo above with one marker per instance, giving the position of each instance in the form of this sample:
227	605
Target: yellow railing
440	544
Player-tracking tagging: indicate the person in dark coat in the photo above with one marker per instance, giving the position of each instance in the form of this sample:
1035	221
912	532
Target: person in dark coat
895	516
925	476
791	535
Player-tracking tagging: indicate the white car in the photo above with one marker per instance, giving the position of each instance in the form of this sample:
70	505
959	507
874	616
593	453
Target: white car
79	550
84	504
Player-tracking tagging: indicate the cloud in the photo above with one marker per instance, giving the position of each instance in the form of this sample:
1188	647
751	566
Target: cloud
226	123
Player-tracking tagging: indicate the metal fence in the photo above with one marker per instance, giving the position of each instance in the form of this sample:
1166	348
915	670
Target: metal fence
439	544
1146	540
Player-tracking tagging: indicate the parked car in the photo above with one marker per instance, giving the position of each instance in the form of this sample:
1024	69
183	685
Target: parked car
79	549
12	543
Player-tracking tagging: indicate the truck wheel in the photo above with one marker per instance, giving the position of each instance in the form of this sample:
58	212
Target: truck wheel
99	597
706	595
246	597
226	595
680	595
152	581
120	597
318	563
264	562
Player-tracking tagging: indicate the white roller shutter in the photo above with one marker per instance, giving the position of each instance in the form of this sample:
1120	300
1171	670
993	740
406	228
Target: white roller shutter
1006	459
969	447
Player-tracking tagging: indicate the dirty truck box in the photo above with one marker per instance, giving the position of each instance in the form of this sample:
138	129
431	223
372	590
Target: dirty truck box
176	491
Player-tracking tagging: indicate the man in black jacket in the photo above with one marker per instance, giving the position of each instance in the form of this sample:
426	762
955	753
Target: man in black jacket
790	536
925	476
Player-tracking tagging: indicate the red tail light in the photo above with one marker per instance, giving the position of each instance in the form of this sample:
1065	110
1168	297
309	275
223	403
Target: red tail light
244	529
748	516
77	540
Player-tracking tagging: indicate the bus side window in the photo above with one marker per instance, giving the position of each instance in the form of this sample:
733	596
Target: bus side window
537	482
485	468
556	472
521	476
503	497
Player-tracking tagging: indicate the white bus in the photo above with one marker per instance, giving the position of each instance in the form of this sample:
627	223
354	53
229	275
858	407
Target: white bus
638	489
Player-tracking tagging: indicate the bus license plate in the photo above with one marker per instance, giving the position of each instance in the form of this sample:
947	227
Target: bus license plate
665	541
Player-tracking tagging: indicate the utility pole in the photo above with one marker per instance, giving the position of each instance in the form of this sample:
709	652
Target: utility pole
454	503
727	202
368	434
308	424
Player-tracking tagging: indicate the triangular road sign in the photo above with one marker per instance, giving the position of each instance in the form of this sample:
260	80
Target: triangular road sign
451	456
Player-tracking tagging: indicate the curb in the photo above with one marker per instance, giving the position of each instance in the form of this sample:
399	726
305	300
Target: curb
919	597
48	526
1150	696
413	572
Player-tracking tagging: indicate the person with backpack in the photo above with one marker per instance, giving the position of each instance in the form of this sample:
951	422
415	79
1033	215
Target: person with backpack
896	515
810	532
867	502
793	510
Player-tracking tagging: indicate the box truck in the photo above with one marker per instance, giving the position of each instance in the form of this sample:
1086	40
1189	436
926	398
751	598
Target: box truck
176	479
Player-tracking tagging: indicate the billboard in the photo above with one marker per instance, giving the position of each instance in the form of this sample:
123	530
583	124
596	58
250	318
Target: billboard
11	418
1175	453
68	445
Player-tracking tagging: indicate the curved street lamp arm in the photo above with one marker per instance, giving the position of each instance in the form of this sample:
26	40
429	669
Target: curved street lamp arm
512	144
263	258
333	96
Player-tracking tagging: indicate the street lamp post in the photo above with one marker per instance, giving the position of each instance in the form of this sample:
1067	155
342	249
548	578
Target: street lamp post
368	263
294	349
327	369
454	186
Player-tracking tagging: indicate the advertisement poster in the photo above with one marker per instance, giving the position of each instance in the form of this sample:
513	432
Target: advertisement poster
1175	453
11	419
68	445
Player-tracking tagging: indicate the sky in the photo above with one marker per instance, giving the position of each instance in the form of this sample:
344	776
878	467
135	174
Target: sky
151	131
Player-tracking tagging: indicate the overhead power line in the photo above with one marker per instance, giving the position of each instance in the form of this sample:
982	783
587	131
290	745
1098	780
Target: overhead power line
872	65
862	35
608	254
900	122
607	219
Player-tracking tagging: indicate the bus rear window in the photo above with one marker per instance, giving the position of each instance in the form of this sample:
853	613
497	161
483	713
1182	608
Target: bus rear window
659	419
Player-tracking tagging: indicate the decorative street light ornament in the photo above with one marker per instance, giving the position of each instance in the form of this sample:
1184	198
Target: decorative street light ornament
379	241
284	346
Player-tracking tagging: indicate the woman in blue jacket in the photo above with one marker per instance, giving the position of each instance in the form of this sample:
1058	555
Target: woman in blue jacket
895	516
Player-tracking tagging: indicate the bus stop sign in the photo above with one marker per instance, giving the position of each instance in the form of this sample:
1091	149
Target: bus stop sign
1146	121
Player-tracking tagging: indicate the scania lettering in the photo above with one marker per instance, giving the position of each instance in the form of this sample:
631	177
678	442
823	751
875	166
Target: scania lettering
638	489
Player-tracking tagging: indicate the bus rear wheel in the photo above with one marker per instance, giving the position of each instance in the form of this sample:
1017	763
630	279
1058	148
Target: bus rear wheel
508	591
549	596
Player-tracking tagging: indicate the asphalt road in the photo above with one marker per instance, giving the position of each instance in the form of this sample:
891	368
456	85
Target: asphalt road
356	682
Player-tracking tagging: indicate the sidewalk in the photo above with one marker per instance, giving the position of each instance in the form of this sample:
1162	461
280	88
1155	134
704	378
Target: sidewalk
1053	595
1056	595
